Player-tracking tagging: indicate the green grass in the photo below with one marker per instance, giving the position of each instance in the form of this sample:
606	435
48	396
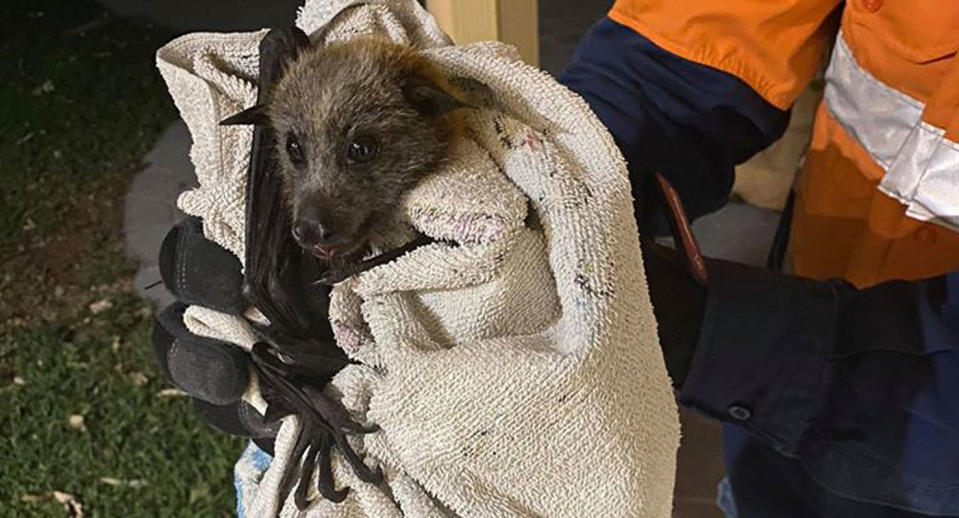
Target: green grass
76	106
80	104
130	433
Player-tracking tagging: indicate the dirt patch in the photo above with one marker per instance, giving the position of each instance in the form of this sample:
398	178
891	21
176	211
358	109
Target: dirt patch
53	275
81	103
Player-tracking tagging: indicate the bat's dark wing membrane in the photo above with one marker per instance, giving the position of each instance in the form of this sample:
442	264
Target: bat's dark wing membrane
301	356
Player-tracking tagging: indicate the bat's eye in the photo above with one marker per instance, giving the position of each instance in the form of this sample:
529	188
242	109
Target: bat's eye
361	149
294	150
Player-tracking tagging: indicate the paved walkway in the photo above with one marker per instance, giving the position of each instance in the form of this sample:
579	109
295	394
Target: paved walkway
150	207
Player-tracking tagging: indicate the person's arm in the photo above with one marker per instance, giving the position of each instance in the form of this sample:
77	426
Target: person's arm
691	89
845	380
774	351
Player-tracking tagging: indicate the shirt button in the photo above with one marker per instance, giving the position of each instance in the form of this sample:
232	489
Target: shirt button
871	5
739	413
926	236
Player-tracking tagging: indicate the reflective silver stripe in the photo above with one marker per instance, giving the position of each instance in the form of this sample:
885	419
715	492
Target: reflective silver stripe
922	166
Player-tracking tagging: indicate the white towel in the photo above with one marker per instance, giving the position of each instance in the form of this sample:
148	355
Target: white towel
517	374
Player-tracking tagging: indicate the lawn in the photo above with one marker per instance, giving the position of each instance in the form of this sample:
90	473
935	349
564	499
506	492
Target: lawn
84	412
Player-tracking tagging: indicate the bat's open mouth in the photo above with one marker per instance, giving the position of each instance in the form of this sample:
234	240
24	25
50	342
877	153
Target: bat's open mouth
325	251
342	250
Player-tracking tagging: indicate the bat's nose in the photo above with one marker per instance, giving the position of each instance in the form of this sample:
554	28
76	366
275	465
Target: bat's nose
310	232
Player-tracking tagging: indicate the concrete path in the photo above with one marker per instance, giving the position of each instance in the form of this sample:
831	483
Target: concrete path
150	207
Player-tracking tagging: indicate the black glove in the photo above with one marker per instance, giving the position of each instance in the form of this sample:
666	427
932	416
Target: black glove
679	302
214	373
738	304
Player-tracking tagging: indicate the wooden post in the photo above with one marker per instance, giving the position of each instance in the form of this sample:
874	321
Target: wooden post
510	21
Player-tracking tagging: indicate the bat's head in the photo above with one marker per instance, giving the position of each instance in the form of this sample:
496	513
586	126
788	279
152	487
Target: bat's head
357	124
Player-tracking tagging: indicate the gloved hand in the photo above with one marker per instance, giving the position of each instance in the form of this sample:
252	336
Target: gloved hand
215	373
739	304
679	302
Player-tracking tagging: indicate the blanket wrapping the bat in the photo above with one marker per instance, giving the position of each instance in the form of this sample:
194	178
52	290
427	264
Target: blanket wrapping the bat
513	366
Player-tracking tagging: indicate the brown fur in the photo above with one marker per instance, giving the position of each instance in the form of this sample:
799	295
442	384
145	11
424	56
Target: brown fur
330	96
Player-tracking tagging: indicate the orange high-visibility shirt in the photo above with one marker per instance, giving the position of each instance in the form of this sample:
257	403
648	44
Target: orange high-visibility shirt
878	195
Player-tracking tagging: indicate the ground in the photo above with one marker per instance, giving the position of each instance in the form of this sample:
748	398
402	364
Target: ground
84	411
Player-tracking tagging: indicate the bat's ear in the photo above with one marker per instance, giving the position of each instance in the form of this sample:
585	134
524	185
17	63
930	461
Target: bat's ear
277	49
255	114
428	98
284	43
